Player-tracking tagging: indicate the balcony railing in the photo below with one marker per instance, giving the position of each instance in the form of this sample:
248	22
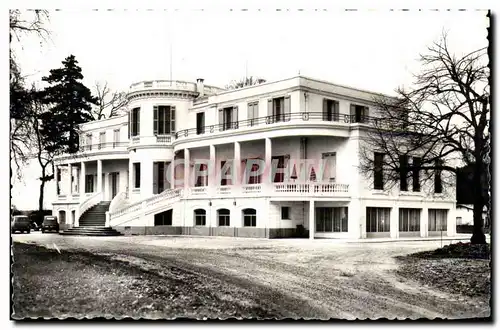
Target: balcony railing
276	189
267	120
99	146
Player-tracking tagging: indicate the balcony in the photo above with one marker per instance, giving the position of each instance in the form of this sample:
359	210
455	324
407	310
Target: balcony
311	189
164	140
289	118
95	150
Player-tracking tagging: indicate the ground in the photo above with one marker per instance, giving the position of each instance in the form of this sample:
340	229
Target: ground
168	277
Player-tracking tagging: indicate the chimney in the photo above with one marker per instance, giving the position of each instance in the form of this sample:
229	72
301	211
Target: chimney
200	87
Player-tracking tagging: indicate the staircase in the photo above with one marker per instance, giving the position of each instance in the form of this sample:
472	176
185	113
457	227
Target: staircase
92	223
95	216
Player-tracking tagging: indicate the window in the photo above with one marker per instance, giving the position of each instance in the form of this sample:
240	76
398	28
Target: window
201	179
58	181
437	219
359	113
285	213
403	173
330	110
249	218
159	177
253	113
253	177
102	139
438	184
88	141
409	220
200	123
378	179
331	219
228	118
278	109
224	172
163	119
416	173
116	138
378	219
200	217
330	163
89	183
135	122
224	218
280	177
137	175
164	218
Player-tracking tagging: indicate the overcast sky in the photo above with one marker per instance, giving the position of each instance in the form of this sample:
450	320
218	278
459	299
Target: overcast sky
374	50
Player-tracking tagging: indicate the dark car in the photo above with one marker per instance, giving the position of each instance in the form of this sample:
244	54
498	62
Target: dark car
50	224
20	223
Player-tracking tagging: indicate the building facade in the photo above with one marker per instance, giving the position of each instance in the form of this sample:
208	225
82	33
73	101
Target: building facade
277	159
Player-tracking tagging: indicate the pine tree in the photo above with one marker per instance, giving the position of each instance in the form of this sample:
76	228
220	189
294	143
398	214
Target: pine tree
69	104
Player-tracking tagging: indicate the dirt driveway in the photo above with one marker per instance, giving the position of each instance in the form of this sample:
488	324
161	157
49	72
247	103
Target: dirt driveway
299	278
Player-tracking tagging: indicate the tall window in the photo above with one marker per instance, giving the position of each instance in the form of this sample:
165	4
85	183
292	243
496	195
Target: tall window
437	219
253	113
378	219
137	175
249	218
228	118
163	218
159	177
416	173
200	217
378	171
330	110
409	220
116	138
438	184
201	179
135	122
403	173
252	177
330	163
359	113
163	119
89	183
280	177
331	219
102	139
88	141
224	217
200	123
278	109
224	172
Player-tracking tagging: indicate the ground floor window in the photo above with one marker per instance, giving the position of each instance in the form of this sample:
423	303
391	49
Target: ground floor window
409	219
249	218
224	217
331	219
163	218
378	219
200	217
437	219
89	183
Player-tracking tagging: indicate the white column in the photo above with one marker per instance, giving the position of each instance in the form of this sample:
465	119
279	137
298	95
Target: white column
69	184
237	167
107	186
186	169
424	222
82	180
130	178
172	174
354	225
99	175
212	172
312	220
268	181
394	222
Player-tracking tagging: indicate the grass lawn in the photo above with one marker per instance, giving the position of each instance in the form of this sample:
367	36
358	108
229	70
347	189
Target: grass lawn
47	283
456	268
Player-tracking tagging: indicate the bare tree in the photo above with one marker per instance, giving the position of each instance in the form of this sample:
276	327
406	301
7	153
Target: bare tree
443	120
109	103
247	81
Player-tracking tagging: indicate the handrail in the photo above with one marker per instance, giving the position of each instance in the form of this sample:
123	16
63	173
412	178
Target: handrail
89	202
285	117
117	201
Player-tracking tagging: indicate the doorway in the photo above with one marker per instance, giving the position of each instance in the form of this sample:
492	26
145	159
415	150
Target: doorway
114	184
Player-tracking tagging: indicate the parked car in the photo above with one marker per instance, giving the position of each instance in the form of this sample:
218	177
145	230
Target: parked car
20	223
50	224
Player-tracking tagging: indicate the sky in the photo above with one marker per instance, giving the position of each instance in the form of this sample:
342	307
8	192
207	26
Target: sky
374	50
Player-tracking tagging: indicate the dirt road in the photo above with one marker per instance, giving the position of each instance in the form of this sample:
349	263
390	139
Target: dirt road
292	278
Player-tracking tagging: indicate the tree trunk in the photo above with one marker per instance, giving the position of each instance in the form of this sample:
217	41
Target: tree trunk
478	236
40	197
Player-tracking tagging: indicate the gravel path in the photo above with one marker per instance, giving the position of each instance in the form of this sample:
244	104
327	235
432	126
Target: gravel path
290	277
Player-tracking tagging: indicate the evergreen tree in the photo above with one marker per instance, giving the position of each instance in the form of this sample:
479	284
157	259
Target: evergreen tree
69	104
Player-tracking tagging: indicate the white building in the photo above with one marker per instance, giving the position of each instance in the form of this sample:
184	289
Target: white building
127	161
